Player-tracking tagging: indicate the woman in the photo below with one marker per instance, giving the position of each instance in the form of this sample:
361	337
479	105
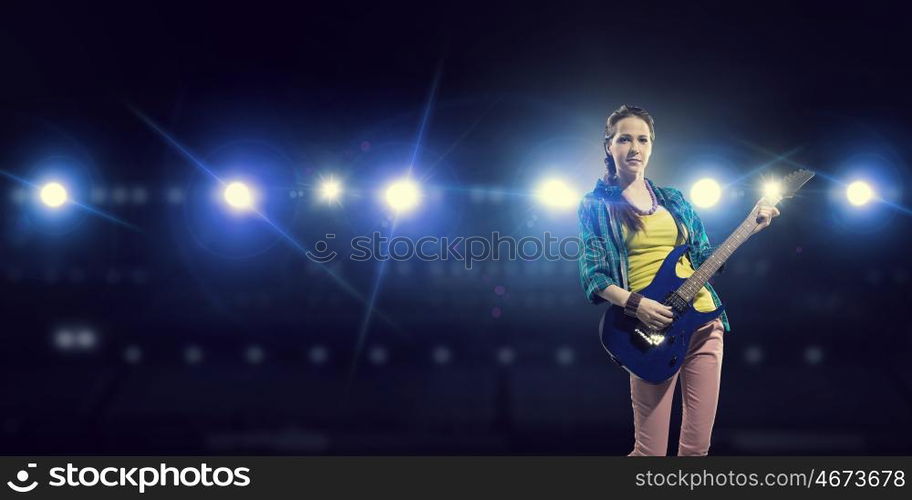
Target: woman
629	226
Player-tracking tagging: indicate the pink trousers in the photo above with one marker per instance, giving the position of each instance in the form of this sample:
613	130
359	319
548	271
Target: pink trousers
700	376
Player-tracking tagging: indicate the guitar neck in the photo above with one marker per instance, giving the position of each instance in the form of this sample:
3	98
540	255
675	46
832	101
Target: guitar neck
689	289
775	192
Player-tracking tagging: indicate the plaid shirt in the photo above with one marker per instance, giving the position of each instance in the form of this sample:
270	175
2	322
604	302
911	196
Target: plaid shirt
604	259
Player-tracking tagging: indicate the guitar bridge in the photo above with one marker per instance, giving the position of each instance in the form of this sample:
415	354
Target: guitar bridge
650	336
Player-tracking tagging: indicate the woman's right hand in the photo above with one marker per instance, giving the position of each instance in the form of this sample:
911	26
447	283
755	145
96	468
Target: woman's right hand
654	314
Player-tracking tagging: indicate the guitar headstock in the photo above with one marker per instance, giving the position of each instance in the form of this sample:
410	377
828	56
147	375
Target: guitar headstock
776	191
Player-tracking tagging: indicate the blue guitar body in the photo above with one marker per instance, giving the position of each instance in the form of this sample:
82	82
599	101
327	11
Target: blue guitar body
628	342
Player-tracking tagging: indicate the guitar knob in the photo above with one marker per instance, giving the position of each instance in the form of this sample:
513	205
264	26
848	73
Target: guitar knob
674	360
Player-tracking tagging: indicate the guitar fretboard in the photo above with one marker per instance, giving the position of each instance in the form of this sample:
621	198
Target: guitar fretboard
777	192
689	289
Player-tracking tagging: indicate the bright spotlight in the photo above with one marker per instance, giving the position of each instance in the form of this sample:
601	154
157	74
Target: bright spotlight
772	191
53	194
557	194
705	193
330	190
859	193
238	195
402	195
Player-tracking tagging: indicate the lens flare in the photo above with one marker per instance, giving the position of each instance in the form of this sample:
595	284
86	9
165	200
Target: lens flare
403	195
556	193
772	190
859	193
330	190
705	193
238	196
53	194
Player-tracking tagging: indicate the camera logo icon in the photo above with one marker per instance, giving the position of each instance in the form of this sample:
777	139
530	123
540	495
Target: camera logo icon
21	477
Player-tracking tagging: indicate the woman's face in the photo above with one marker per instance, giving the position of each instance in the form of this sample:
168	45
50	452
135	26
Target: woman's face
631	146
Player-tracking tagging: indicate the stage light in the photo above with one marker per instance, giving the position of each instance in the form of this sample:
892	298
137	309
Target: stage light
85	338
133	354
254	355
330	190
859	193
556	193
318	355
772	191
238	196
67	339
64	339
813	355
140	196
705	193
442	355
119	195
565	356
378	355
174	195
53	194
98	195
753	355
403	195
506	355
193	355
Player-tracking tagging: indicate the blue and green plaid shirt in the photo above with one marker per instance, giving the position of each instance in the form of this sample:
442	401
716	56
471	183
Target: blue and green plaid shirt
604	259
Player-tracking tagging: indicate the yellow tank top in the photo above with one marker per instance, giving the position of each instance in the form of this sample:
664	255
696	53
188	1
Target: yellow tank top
647	249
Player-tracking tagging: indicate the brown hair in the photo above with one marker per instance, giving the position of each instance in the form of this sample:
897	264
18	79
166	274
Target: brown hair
623	210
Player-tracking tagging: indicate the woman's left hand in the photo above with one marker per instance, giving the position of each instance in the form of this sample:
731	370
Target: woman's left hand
765	214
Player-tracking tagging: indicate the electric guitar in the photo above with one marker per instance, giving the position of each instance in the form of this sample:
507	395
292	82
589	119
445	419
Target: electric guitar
653	354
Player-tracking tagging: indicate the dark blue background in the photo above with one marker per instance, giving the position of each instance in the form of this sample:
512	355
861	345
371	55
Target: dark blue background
818	362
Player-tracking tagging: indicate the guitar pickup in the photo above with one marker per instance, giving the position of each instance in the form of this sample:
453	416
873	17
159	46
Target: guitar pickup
677	303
